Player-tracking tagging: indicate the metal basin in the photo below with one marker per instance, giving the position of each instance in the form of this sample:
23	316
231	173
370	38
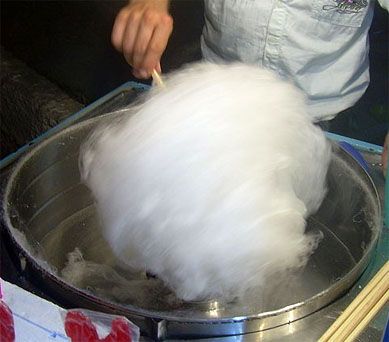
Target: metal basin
50	214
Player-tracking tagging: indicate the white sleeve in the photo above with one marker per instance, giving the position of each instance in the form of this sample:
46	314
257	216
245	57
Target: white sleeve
384	4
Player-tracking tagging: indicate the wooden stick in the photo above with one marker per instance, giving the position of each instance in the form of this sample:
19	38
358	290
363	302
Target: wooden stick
362	325
157	78
362	311
381	274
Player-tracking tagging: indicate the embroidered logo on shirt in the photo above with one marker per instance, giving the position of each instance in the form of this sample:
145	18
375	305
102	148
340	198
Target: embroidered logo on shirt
346	6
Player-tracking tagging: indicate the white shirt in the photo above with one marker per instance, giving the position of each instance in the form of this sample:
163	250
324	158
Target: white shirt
321	45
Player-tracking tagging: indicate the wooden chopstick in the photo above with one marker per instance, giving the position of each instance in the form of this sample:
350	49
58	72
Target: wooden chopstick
365	321
157	78
362	309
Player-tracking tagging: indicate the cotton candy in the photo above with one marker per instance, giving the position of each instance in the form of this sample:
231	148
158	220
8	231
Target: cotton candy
207	183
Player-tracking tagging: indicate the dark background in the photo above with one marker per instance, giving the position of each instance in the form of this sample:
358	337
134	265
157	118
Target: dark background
56	57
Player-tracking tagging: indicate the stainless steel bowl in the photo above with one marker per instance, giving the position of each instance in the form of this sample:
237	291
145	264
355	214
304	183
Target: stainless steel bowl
49	214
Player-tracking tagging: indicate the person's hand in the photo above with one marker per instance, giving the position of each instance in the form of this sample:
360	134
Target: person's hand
141	32
385	155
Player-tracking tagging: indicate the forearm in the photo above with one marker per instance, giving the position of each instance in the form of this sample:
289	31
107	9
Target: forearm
162	4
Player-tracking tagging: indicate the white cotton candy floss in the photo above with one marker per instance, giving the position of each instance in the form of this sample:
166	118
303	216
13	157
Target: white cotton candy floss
208	182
